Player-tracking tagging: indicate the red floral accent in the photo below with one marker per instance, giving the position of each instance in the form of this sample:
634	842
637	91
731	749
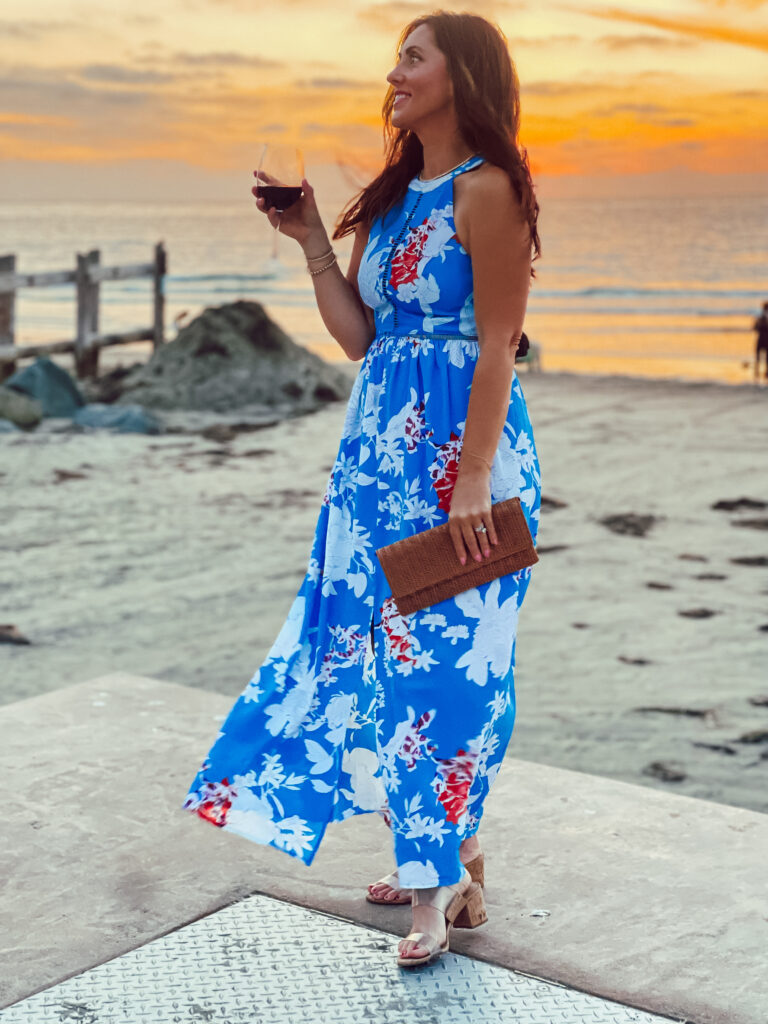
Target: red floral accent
455	776
444	470
416	427
405	265
216	802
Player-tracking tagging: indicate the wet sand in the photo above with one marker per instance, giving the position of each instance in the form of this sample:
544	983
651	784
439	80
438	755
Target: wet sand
642	649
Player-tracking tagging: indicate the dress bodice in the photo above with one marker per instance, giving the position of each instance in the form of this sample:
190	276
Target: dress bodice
414	273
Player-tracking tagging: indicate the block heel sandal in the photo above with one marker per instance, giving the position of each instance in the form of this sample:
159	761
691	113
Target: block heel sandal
466	904
475	867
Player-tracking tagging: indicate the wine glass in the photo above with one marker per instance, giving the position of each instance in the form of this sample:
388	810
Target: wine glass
279	176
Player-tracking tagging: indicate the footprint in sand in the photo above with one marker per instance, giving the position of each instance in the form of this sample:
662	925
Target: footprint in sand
753	524
757	560
693	558
697	613
710	576
654	585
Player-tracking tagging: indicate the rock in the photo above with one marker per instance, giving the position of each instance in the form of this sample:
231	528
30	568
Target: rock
755	736
50	384
721	748
107	387
122	419
9	634
753	524
664	771
691	712
629	523
738	503
551	503
232	356
19	409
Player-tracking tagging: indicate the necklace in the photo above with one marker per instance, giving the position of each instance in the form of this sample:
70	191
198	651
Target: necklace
446	172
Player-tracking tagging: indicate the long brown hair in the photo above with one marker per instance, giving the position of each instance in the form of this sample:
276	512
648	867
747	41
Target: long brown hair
486	95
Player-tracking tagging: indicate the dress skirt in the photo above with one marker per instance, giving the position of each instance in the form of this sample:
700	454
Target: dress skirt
357	708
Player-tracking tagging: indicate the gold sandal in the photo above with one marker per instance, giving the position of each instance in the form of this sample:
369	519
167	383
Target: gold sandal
475	867
461	904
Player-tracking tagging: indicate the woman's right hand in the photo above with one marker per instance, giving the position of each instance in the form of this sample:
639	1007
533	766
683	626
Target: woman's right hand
301	220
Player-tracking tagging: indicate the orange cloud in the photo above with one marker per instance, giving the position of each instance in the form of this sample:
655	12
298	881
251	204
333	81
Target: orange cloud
716	32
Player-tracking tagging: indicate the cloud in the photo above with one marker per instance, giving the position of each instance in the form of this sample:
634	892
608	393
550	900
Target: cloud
35	30
643	41
393	17
118	73
339	83
754	38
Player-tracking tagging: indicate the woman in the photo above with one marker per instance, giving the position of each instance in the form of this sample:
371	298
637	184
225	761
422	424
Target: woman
357	708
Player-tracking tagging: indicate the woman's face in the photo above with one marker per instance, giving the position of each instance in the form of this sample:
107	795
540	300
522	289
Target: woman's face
420	79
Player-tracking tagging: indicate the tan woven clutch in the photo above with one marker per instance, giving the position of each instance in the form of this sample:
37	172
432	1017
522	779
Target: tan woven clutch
424	568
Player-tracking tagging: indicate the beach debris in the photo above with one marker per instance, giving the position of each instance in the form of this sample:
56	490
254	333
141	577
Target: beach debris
753	524
665	771
235	356
19	409
710	576
686	557
9	634
761	700
68	474
757	560
121	419
107	386
629	523
720	748
697	613
655	585
50	385
551	503
754	736
634	661
736	504
552	547
671	710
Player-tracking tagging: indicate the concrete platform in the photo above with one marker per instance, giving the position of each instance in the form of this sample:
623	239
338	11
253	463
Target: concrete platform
655	901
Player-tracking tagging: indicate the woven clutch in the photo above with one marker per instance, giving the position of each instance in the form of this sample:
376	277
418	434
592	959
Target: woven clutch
424	568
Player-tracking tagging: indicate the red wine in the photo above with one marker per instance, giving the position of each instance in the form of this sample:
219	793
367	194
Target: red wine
279	196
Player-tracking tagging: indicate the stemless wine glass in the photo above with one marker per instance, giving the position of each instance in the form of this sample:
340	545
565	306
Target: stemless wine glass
279	175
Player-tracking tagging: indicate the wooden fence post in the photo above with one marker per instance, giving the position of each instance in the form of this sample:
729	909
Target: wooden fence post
86	354
158	278
7	315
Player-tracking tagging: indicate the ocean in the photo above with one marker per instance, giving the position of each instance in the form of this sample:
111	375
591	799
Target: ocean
647	287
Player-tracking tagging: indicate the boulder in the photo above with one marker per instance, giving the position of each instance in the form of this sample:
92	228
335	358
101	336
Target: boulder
18	408
50	384
123	419
232	356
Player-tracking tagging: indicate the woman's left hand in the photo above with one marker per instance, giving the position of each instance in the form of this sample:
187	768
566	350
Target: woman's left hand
471	507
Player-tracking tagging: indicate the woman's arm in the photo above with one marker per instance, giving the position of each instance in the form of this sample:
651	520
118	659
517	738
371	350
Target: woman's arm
345	315
499	241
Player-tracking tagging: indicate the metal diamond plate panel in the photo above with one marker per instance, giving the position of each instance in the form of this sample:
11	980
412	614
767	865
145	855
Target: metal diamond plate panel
261	961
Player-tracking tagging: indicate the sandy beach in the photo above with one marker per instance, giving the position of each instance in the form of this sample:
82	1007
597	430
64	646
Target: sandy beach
177	556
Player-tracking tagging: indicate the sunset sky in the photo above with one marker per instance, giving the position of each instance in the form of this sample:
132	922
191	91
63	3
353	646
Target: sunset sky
160	99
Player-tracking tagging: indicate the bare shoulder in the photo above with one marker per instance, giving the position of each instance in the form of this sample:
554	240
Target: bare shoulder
486	182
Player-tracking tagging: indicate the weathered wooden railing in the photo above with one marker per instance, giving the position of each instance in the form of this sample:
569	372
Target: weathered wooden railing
87	278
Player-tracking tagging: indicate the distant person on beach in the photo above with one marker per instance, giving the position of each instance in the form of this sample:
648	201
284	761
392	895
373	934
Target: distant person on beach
761	347
358	708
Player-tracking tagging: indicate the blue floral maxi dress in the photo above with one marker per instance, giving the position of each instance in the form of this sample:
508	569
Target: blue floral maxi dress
357	708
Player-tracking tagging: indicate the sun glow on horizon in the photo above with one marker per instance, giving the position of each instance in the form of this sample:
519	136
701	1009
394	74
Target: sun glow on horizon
607	91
